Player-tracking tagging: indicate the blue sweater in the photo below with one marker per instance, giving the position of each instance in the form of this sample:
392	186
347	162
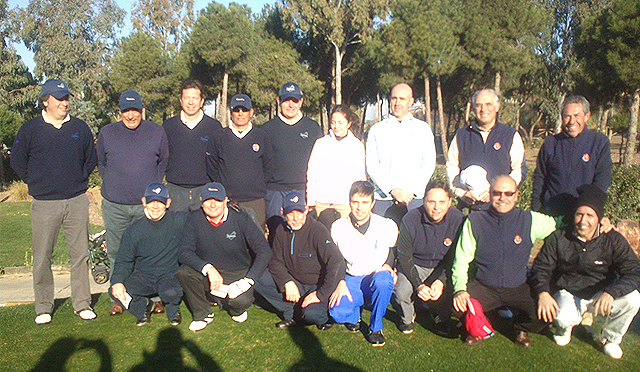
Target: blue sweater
54	163
129	160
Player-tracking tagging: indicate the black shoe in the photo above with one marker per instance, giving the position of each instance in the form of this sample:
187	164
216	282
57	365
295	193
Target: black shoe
284	324
146	317
376	338
176	319
406	328
352	327
325	326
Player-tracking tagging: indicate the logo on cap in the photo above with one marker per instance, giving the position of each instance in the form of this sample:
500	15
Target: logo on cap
497	146
61	85
295	199
157	190
447	242
255	147
585	158
290	88
212	189
239	99
517	239
130	99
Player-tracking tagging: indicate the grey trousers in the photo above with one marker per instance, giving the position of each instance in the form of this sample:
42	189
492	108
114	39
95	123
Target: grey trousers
47	216
404	294
184	199
117	218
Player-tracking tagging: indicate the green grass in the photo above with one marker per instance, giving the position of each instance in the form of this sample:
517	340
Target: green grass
15	237
115	343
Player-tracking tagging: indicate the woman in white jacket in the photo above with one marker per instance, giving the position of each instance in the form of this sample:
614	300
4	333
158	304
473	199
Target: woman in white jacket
337	160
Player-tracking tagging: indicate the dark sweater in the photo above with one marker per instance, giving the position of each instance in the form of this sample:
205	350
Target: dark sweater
129	160
292	145
54	163
242	165
307	255
149	247
605	263
229	246
566	163
187	150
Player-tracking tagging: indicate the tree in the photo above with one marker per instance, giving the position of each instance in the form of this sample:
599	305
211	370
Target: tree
166	20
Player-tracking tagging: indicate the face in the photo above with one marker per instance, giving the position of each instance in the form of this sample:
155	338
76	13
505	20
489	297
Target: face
56	109
486	108
361	206
586	222
290	108
241	117
155	209
191	101
504	195
436	203
296	219
339	124
401	100
574	120
214	208
131	118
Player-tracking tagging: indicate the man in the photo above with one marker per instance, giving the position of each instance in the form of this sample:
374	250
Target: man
574	157
54	154
400	157
148	259
292	136
587	269
241	158
132	153
305	268
427	235
483	150
365	241
222	253
189	134
498	241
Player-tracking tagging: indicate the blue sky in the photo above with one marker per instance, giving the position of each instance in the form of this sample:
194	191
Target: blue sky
27	56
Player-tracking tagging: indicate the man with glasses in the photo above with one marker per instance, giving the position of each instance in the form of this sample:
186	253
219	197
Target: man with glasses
499	241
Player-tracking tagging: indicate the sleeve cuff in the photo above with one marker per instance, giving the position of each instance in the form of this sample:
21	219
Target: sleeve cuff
206	268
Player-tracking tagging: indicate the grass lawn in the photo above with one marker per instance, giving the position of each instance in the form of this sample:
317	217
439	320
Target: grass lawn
115	343
15	237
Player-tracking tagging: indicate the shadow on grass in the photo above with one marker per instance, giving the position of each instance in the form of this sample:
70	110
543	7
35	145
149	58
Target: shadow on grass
57	355
313	357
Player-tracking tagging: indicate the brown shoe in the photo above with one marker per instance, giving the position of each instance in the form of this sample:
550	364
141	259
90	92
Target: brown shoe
116	309
470	340
158	307
523	339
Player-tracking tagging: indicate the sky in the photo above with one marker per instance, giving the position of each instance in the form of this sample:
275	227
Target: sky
27	56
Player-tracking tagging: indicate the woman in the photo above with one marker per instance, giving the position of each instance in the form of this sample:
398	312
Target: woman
336	161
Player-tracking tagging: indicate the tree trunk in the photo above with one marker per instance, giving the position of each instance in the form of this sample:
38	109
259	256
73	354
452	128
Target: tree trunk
630	150
605	120
467	109
533	127
498	81
441	125
427	100
222	105
378	108
338	72
361	129
558	127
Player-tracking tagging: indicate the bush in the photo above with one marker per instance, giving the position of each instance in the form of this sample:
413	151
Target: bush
624	193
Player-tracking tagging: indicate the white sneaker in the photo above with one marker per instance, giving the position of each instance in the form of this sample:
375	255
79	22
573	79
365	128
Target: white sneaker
86	314
44	318
562	336
612	350
240	318
199	325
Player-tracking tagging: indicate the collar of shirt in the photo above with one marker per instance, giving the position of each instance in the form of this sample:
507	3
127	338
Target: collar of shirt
291	121
362	229
191	124
243	133
48	121
224	217
595	235
407	117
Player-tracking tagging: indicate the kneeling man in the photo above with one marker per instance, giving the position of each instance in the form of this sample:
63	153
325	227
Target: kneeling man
588	270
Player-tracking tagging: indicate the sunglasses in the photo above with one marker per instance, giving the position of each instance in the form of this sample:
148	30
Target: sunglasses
506	193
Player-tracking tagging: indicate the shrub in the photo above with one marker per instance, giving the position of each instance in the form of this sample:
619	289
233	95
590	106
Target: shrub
624	193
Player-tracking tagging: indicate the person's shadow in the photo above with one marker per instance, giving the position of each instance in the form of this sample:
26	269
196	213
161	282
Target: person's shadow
313	357
56	356
168	355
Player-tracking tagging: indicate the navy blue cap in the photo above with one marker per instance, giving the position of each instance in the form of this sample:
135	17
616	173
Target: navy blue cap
241	100
213	190
130	99
56	88
290	90
156	191
294	201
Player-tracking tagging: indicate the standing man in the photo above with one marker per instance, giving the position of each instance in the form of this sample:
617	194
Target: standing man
427	235
292	136
132	153
588	269
569	159
305	268
222	254
365	241
241	158
483	150
400	156
54	155
189	134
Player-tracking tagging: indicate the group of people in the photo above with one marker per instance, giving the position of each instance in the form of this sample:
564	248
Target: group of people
282	212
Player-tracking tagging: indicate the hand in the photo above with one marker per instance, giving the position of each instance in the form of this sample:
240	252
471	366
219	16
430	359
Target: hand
312	298
215	279
424	292
485	196
437	288
341	290
547	307
605	225
119	291
471	196
291	291
603	304
239	287
388	268
401	196
460	301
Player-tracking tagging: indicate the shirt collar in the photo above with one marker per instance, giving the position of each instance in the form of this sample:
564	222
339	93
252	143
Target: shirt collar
224	217
291	121
48	121
243	133
193	123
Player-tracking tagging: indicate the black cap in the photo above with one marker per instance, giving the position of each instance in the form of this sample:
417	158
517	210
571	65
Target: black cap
591	196
213	190
130	99
294	201
290	90
56	88
241	100
156	191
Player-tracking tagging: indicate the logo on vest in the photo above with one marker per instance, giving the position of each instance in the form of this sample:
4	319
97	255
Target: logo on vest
255	147
231	235
517	239
304	135
447	242
497	146
76	135
585	158
204	139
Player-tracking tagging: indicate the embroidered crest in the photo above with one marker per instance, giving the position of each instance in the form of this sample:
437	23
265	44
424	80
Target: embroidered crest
231	235
304	135
447	242
294	199
255	147
497	146
76	135
156	190
204	139
585	158
290	88
517	239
